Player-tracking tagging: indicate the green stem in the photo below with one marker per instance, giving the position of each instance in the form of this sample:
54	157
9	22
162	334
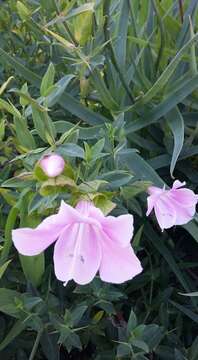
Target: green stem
8	235
36	344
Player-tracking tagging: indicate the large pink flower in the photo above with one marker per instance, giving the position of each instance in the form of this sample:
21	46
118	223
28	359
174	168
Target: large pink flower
87	241
172	207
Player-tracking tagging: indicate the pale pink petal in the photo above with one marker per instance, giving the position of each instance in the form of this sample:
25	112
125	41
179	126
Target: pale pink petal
77	254
153	190
52	164
118	264
119	229
184	197
33	241
150	204
165	213
177	184
184	215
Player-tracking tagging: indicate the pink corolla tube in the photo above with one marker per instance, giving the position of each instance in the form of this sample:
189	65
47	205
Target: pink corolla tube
86	242
52	164
176	206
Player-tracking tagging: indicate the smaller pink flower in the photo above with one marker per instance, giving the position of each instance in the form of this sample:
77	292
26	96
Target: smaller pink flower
86	242
172	207
52	164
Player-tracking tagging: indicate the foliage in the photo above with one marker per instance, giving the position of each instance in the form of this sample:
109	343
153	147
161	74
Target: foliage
112	87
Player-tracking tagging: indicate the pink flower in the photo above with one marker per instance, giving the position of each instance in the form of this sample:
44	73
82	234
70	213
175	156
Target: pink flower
172	207
52	164
87	241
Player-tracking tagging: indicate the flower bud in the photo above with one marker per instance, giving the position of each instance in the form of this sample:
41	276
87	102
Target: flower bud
52	164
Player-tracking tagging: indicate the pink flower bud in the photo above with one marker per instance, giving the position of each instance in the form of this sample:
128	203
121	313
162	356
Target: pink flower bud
52	164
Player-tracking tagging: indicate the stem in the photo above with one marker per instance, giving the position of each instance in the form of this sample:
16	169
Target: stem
181	10
36	344
8	238
109	45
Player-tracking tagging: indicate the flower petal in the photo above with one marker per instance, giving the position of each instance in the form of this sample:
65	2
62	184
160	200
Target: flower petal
77	254
150	204
184	215
119	229
52	164
165	213
184	197
118	264
154	190
33	241
177	184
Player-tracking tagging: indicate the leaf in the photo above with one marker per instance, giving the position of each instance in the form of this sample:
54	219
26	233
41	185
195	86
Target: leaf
104	93
65	43
83	22
5	84
184	310
132	322
77	314
116	178
17	329
164	77
71	150
5	59
122	30
135	189
23	11
8	304
165	253
20	181
190	294
140	345
33	268
165	106
4	105
2	129
176	123
44	125
48	80
152	335
67	101
24	136
4	267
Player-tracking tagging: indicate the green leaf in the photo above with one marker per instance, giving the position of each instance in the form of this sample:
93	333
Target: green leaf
135	189
8	302
165	106
165	253
71	150
116	178
2	129
163	79
82	21
24	136
176	123
4	267
17	329
193	316
20	181
48	80
104	93
5	84
132	322
44	125
33	268
4	105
